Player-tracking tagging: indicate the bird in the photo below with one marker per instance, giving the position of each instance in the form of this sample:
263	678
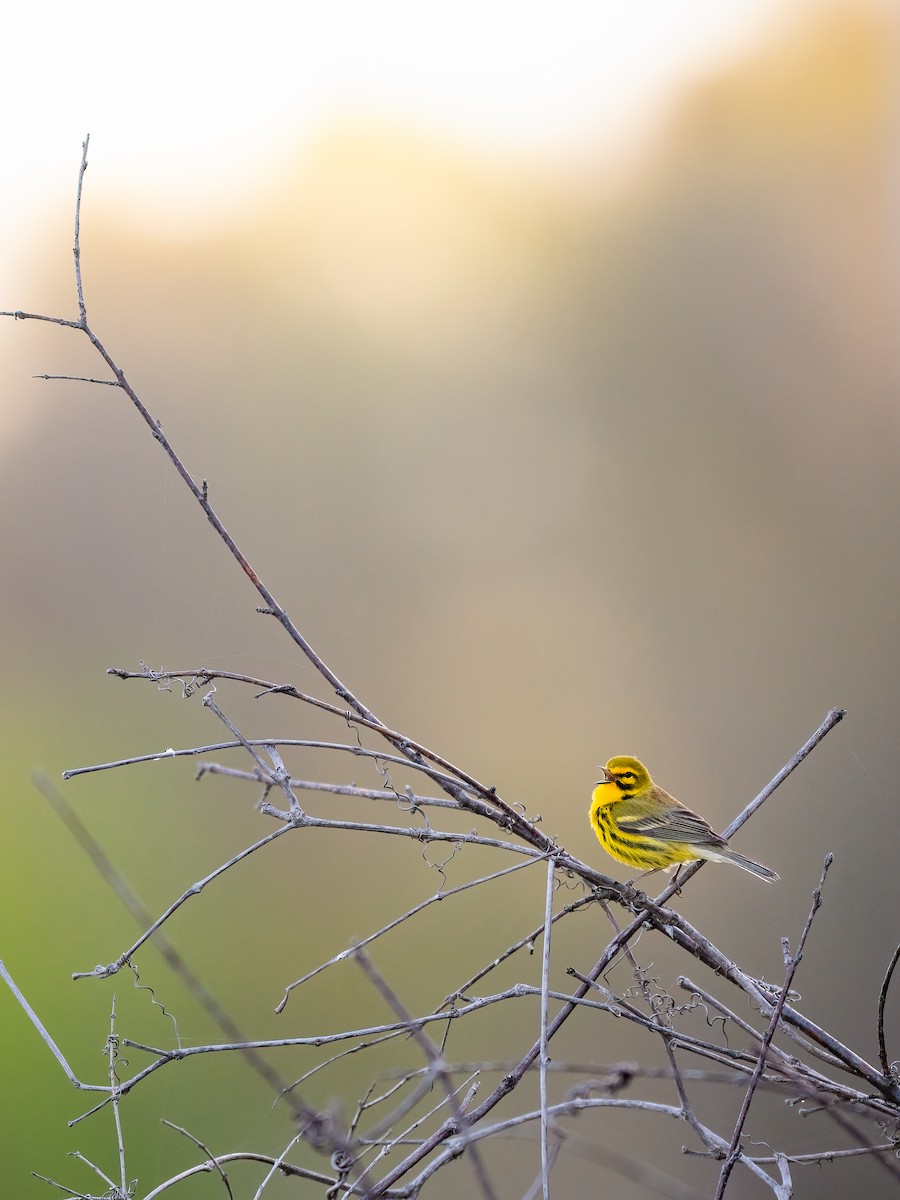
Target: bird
641	825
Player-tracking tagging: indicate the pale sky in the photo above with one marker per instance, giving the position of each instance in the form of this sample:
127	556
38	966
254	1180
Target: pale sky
191	104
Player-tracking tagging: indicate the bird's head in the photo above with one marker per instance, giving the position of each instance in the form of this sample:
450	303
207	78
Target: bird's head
629	775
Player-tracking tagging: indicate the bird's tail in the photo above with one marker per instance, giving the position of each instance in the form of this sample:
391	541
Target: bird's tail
726	855
747	864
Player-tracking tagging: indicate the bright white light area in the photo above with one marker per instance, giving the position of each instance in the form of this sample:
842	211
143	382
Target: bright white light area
190	103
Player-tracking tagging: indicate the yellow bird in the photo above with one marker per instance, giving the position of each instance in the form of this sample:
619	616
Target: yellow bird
644	827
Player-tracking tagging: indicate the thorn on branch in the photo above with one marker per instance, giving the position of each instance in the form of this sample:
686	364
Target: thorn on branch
286	689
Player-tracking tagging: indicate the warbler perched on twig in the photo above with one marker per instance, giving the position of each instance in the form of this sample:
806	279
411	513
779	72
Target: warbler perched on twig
644	827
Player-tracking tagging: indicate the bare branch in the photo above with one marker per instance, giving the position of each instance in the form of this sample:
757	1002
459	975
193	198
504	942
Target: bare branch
102	972
545	1016
223	1175
890	1071
791	962
437	1066
832	718
40	1027
353	951
142	915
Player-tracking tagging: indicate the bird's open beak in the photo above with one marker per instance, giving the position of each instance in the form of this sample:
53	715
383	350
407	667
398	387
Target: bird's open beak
606	777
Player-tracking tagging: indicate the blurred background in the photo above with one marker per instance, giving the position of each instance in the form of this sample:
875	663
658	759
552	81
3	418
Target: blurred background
543	360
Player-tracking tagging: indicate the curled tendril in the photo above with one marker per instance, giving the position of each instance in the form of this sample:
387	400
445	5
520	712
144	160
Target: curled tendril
439	867
145	987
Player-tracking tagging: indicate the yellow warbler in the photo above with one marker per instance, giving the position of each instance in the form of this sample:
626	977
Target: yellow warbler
644	827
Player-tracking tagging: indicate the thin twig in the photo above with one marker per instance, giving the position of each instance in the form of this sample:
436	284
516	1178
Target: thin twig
511	1080
112	1047
223	1175
545	1017
886	1066
438	897
408	799
76	247
142	915
527	940
102	972
825	1156
687	1108
437	1064
302	743
832	718
573	1107
490	805
199	492
42	1030
72	1193
177	1054
276	1165
113	1192
811	1082
216	1163
79	379
792	962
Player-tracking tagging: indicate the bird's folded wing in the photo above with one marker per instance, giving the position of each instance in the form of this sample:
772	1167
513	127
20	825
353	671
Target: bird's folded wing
672	825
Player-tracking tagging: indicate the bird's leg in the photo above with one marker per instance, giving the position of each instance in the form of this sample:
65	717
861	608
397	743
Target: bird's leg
652	871
643	875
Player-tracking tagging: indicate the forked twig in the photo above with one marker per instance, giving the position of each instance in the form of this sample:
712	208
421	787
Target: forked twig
438	1069
791	962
